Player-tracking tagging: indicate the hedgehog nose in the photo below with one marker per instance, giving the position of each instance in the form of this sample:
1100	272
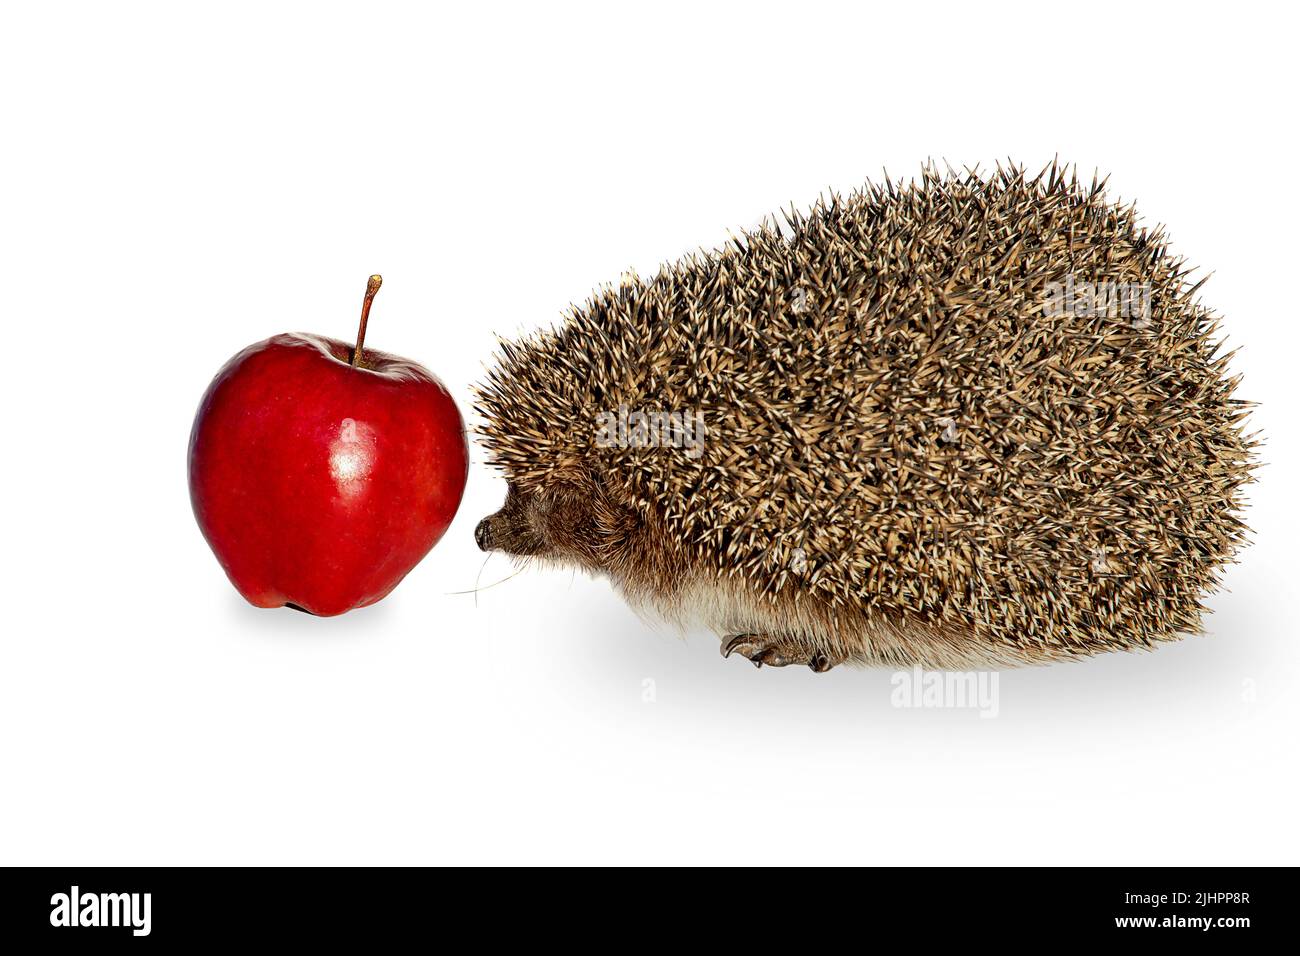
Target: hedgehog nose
483	535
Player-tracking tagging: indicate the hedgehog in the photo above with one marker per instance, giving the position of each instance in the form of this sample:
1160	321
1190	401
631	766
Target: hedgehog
963	421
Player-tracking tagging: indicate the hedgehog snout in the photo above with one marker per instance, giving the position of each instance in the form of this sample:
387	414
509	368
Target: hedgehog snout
483	534
509	530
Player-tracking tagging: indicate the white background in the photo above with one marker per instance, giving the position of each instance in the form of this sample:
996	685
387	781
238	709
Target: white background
179	181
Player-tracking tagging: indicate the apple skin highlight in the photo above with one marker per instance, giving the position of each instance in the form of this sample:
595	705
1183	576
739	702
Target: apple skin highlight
320	484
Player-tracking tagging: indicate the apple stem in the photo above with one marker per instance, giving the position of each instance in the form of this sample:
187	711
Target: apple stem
372	286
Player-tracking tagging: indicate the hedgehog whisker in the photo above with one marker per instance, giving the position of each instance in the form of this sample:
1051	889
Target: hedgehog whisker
479	577
475	589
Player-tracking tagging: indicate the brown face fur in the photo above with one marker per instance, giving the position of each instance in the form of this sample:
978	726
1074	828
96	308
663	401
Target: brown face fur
569	523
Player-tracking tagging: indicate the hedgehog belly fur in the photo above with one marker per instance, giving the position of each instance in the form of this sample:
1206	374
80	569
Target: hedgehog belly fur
733	607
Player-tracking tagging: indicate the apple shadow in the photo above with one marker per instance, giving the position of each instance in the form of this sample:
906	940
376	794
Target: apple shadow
290	623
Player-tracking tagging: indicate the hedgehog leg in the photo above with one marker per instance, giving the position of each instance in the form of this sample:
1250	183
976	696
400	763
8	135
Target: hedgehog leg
778	652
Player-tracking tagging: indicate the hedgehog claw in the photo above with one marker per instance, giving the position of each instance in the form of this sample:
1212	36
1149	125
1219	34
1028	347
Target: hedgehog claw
738	642
775	653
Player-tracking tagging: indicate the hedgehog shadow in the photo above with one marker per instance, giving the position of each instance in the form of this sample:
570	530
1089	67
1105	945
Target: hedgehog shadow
1193	677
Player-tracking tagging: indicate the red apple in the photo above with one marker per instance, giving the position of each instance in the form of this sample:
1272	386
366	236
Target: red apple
321	473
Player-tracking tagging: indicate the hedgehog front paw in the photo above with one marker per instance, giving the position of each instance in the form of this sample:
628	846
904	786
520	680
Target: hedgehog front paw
776	652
